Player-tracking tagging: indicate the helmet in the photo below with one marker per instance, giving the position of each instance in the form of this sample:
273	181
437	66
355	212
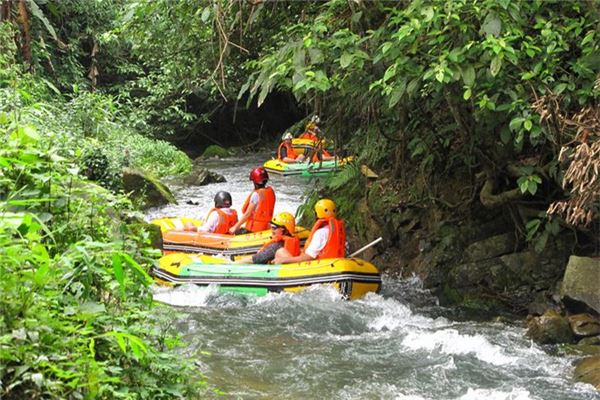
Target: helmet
315	119
325	208
223	199
259	175
286	220
287	136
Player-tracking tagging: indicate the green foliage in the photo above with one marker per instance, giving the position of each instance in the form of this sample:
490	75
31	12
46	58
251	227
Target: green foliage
215	150
440	88
76	314
345	188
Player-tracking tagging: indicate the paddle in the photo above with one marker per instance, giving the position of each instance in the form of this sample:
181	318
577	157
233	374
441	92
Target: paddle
373	243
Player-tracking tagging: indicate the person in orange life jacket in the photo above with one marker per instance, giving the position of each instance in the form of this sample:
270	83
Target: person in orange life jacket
327	238
283	239
221	217
285	151
311	129
257	210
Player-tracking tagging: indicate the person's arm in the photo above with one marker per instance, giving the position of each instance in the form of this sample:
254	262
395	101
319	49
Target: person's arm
267	254
211	222
243	218
282	259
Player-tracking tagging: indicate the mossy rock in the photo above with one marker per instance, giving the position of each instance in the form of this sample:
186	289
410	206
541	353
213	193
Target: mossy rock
588	371
146	190
215	150
550	328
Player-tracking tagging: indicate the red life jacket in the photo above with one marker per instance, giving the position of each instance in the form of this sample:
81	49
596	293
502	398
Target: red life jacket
290	150
226	220
260	220
336	241
290	243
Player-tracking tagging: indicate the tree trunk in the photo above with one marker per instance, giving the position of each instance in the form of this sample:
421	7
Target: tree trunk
25	25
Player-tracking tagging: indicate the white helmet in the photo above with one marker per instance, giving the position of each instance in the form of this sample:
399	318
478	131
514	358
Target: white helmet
315	119
287	136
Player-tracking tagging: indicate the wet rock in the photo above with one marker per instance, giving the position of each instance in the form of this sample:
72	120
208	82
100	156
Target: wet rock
549	328
146	190
588	371
590	341
584	325
200	176
581	281
491	247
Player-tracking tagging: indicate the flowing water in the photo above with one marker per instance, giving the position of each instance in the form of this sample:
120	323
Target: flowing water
398	344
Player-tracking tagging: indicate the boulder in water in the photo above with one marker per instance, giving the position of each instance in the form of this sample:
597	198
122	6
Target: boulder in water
588	371
202	176
549	328
581	281
584	325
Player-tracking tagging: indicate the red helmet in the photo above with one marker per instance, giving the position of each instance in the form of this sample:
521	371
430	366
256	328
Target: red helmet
259	175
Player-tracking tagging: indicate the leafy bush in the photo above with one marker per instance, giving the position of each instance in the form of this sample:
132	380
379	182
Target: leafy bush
76	314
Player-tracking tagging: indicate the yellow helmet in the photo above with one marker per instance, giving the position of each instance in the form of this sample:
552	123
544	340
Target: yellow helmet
325	208
286	220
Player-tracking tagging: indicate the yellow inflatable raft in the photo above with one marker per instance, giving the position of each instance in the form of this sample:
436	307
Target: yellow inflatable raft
352	277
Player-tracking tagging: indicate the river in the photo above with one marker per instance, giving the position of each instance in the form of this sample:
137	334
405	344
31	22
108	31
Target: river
398	344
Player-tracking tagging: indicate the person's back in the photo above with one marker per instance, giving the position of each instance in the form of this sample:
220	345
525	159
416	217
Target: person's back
327	238
259	205
222	217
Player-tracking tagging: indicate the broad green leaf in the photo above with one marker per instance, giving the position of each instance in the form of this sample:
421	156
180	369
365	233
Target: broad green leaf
205	14
516	123
390	72
138	268
118	271
467	94
495	65
468	75
91	307
37	12
346	59
491	25
527	125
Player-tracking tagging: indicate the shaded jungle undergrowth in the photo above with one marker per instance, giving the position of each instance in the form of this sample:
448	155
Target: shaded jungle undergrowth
77	318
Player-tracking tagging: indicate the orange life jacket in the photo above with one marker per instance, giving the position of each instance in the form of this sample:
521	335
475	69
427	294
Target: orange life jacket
309	135
226	220
260	220
290	150
323	152
290	243
336	241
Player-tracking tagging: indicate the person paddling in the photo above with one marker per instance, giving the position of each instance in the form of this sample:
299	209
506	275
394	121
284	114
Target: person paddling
327	238
222	217
257	210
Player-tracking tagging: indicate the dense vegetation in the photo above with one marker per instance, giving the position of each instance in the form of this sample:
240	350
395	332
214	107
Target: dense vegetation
459	106
76	315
